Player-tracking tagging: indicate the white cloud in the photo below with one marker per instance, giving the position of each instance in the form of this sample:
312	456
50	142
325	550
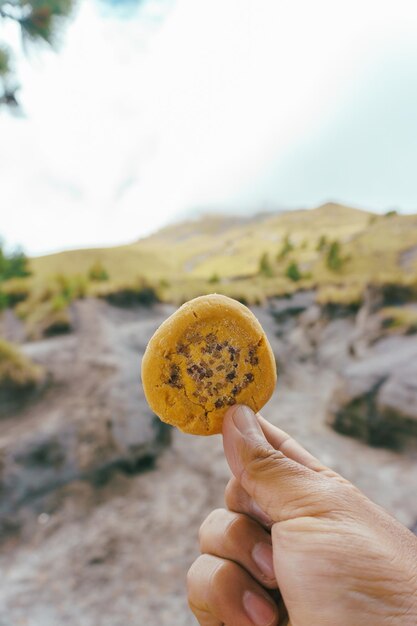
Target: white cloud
135	121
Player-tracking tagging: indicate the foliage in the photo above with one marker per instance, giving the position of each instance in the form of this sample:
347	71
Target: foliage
98	272
347	296
39	21
14	264
141	292
391	213
334	258
15	290
214	279
16	370
265	267
322	243
293	272
403	319
286	248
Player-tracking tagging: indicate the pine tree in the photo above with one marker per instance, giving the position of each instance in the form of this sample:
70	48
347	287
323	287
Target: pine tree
265	267
39	21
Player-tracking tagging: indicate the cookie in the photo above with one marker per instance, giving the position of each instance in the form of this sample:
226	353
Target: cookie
210	354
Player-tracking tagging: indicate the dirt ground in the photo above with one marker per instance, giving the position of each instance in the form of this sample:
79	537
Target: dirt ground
117	553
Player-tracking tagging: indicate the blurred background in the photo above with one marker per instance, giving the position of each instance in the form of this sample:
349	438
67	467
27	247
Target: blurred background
152	151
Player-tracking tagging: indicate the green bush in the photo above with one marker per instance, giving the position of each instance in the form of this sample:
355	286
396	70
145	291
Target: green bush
98	272
322	243
265	267
130	295
334	259
214	279
12	265
15	290
293	272
286	248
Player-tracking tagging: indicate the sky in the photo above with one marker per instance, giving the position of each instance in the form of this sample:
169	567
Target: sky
170	108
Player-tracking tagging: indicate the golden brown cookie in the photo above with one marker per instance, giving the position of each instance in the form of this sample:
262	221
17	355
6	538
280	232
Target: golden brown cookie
210	354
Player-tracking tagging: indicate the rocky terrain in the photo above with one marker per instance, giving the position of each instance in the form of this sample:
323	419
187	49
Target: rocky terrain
100	503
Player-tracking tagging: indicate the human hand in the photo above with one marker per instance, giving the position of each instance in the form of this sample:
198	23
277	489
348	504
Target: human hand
294	526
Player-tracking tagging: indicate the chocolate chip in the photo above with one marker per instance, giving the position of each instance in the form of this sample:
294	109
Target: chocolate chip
231	375
219	403
249	377
183	349
175	377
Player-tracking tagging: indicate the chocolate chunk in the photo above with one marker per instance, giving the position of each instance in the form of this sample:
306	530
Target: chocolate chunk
175	377
183	349
231	375
249	377
219	403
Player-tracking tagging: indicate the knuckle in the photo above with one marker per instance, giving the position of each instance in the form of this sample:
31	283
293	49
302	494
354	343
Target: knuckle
221	577
231	493
236	530
209	525
263	460
191	577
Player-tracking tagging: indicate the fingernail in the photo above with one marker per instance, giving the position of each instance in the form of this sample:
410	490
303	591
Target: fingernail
262	555
259	610
245	420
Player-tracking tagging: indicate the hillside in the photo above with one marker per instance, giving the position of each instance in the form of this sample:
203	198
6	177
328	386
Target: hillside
192	256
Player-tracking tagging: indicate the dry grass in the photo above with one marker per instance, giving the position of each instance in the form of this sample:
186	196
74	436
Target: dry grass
16	370
400	319
180	261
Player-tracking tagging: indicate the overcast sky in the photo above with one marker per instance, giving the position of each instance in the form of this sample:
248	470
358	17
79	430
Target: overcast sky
191	105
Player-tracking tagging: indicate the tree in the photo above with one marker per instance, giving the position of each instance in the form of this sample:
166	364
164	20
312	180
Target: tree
39	21
322	243
265	267
98	272
334	258
286	248
293	272
13	265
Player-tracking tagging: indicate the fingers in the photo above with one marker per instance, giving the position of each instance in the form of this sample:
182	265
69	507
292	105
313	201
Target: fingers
238	500
283	442
282	487
238	538
221	592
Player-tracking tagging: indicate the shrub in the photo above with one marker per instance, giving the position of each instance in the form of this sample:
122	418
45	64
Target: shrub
12	265
391	213
125	296
402	319
4	300
286	248
15	290
17	372
334	258
98	272
293	272
322	243
265	267
214	279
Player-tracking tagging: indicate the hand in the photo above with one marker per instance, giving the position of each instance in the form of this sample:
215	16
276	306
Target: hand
294	526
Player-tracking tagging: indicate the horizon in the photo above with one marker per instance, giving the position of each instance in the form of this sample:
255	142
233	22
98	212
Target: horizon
195	217
148	114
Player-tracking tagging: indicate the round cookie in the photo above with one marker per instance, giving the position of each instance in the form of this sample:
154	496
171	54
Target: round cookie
210	354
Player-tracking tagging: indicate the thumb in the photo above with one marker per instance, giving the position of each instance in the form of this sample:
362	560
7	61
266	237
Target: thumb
283	488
